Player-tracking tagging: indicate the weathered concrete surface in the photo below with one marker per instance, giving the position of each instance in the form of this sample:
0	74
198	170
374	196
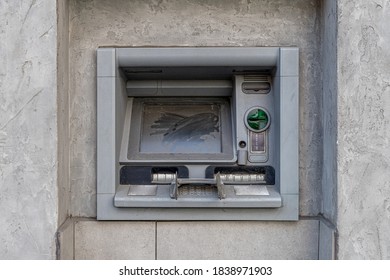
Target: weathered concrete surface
34	120
96	23
28	129
329	109
238	240
363	129
63	109
326	241
65	241
114	240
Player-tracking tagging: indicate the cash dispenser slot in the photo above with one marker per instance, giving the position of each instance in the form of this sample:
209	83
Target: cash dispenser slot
166	188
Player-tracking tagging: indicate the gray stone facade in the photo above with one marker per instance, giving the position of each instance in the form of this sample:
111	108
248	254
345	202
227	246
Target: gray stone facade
48	127
28	130
363	125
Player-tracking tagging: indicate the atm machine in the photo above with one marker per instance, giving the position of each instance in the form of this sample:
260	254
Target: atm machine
206	133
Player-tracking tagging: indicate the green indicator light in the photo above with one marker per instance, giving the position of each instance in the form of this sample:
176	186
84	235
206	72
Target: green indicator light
257	119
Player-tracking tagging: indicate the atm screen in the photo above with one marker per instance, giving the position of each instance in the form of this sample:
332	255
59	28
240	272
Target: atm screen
180	129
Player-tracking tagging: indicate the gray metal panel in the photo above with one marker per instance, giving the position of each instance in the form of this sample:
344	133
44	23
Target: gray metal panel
150	88
196	199
288	64
289	133
106	66
276	123
106	211
120	112
111	108
244	102
106	151
111	114
126	130
205	56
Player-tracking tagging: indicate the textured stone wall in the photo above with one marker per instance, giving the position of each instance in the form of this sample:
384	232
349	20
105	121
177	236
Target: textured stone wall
28	129
44	131
363	129
95	23
63	109
329	109
329	129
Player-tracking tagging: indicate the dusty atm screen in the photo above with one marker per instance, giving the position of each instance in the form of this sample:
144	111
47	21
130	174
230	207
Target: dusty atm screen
181	128
196	129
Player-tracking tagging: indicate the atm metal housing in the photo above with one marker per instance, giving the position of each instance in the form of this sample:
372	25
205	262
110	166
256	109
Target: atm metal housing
197	133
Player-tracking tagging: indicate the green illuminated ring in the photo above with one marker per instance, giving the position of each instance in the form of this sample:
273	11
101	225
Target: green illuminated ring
257	119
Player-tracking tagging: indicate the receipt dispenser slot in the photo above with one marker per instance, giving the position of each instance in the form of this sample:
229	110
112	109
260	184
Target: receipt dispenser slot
197	133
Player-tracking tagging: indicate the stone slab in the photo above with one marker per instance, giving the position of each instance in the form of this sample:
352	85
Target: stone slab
28	129
114	240
238	240
65	241
363	160
327	241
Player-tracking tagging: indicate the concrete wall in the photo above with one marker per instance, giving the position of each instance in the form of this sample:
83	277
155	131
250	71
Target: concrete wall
171	23
63	109
48	127
194	240
363	129
329	129
329	109
95	23
28	129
